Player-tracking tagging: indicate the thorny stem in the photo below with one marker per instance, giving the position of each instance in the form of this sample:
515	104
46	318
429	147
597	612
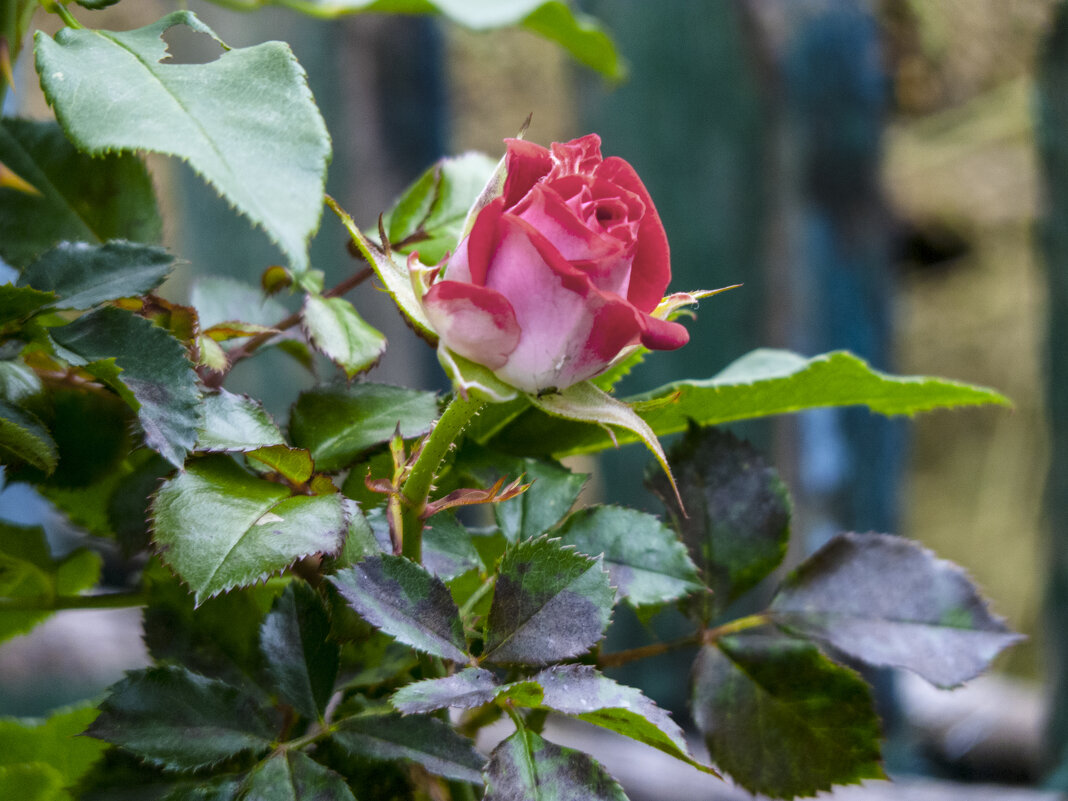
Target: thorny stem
417	486
704	636
49	603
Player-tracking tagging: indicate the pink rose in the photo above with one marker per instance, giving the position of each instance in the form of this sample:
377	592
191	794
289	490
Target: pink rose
558	274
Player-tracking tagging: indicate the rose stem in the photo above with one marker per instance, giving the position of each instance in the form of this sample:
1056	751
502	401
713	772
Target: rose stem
704	636
416	488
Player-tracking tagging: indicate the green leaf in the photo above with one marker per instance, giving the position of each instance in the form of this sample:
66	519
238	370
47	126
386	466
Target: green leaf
337	424
19	303
549	603
300	659
447	548
88	455
470	687
762	383
427	741
890	602
84	275
53	742
430	213
24	438
181	721
220	527
340	334
737	522
129	502
405	601
32	781
646	561
246	121
756	695
220	788
293	776
293	464
232	422
19	384
360	539
156	378
581	691
81	198
527	767
219	299
554	490
579	34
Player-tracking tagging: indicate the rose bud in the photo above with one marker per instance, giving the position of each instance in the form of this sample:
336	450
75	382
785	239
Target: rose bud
558	274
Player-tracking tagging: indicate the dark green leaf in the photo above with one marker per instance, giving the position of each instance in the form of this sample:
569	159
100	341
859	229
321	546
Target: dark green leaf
81	198
737	522
431	212
19	303
85	275
761	695
293	776
130	501
427	741
340	334
24	438
360	539
763	383
246	122
181	721
890	602
219	299
53	742
447	548
232	422
527	768
88	453
469	688
645	559
554	490
155	371
220	527
337	424
550	603
300	659
220	788
405	601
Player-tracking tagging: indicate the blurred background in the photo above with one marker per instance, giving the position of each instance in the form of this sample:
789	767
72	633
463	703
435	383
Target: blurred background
884	176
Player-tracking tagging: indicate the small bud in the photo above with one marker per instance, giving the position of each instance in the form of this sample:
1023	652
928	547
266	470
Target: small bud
275	278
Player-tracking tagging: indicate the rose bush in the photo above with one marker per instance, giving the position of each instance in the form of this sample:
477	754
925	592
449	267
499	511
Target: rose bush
560	273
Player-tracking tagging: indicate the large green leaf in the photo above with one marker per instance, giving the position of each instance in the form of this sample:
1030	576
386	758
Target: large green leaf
760	695
232	422
762	383
549	603
645	559
737	520
153	374
85	275
527	767
294	776
337	424
340	334
246	121
405	601
429	216
53	742
427	741
81	198
219	527
890	602
181	721
300	659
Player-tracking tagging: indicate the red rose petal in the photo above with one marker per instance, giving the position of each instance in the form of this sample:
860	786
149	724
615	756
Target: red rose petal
527	164
482	241
473	321
663	334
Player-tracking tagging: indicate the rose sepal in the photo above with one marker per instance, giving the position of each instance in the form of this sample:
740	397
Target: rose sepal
473	380
679	302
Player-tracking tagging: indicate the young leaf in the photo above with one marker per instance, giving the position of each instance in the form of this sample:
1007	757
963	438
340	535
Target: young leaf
293	464
337	424
53	742
431	212
293	776
549	603
24	438
80	198
19	303
246	121
756	695
181	721
427	741
405	601
232	422
527	767
737	522
762	383
469	688
84	275
154	374
31	781
301	659
219	527
645	559
336	329
890	602
447	548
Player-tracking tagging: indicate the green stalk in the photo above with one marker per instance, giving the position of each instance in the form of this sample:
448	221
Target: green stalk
55	603
416	488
